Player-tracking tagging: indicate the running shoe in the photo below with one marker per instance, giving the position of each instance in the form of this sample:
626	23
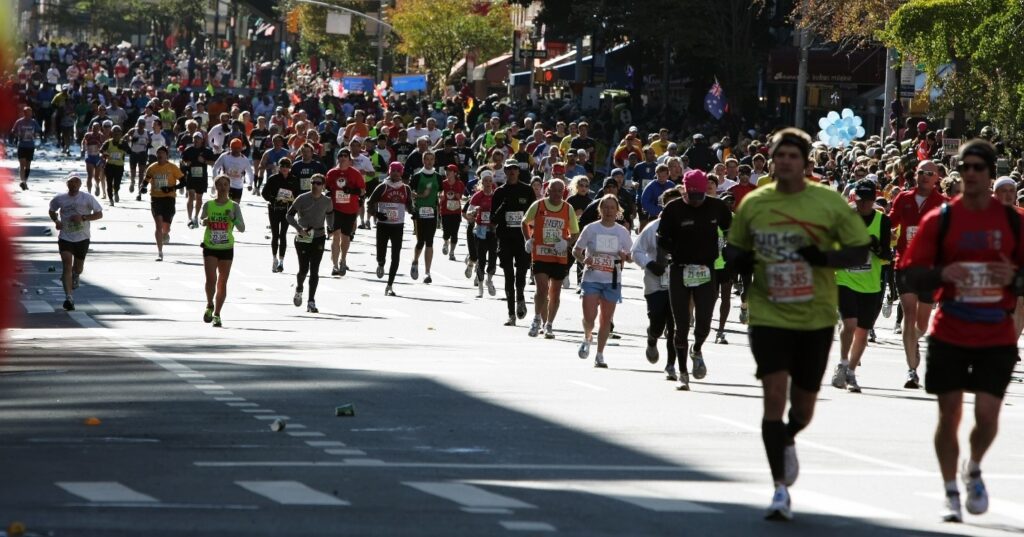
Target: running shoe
652	351
886	309
444	248
952	512
720	338
511	320
670	374
138	197
599	361
131	187
532	281
117	197
779	509
335	271
24	185
743	315
480	290
273	266
791	465
342	269
897	328
851	382
699	369
451	256
280	266
549	332
684	381
160	256
584	351
69	304
871	335
521	307
297	299
839	378
476	280
74	280
490	287
380	271
428	279
534	327
977	495
167	238
414	271
913	381
208	315
216	321
388	291
311	307
469	269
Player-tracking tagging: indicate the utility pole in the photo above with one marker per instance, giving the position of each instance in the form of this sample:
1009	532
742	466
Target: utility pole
801	77
891	84
380	45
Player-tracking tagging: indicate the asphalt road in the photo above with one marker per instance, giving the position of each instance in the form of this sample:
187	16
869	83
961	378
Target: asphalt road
461	427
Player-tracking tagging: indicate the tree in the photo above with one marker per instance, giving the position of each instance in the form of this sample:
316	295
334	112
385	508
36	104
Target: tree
352	53
848	23
442	32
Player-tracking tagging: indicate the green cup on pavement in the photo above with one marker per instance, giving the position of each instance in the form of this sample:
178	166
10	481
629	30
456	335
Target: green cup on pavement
345	410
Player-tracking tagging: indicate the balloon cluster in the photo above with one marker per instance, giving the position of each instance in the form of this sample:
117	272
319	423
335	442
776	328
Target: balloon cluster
840	129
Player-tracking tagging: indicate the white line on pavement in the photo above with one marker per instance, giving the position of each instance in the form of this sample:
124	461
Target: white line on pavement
257	410
290	493
272	417
526	525
324	443
209	386
104	491
658	496
347	452
588	385
828	504
37	306
106	306
306	433
467	495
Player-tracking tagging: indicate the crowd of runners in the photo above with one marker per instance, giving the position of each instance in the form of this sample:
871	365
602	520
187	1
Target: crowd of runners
809	237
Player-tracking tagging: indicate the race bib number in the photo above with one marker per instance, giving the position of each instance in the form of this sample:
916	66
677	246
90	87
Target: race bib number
395	212
452	205
790	282
75	227
607	244
553	229
284	194
308	239
485	217
979	287
197	171
696	275
513	218
306	183
161	182
235	173
911	231
218	236
603	262
341	198
426	212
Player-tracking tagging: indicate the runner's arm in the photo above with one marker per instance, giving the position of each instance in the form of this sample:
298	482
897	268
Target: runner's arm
239	220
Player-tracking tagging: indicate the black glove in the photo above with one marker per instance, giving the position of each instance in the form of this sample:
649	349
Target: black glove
382	217
813	256
656	268
166	189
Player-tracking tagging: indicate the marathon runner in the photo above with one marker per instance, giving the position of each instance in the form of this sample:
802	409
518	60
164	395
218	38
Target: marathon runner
688	231
970	251
484	240
113	152
347	187
452	190
905	212
194	163
311	214
860	289
788	231
548	226
602	247
163	179
724	277
656	266
510	202
91	143
237	167
280	191
426	188
389	203
138	141
305	168
71	212
26	130
220	217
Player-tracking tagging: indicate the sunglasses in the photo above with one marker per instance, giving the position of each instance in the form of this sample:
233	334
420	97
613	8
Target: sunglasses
925	172
316	182
975	166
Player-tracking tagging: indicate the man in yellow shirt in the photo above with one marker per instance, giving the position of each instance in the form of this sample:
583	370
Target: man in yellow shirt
163	178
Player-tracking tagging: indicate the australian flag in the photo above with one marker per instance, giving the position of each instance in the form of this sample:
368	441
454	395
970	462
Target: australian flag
714	101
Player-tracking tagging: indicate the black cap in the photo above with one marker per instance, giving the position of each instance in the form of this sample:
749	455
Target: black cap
865	190
610	181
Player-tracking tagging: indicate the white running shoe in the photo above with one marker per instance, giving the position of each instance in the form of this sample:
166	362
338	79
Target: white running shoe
851	382
684	382
839	377
273	266
886	309
779	509
444	249
549	332
469	268
584	351
599	361
977	495
490	286
791	466
480	290
534	327
952	512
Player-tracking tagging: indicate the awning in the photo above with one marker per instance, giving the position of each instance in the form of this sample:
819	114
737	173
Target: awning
826	66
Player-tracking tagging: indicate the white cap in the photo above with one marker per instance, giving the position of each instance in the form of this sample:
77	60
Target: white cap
1003	181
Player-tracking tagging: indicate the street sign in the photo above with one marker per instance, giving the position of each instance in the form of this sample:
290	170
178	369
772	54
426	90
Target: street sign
529	53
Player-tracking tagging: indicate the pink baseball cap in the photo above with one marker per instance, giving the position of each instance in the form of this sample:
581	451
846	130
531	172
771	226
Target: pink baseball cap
695	181
396	167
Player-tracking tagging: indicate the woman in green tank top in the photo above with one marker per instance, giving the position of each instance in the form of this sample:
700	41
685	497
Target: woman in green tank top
220	217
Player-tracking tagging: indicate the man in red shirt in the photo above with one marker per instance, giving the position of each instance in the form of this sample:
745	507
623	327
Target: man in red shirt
906	211
970	251
744	186
346	185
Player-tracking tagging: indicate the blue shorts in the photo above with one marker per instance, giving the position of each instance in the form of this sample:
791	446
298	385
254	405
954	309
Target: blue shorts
608	294
92	160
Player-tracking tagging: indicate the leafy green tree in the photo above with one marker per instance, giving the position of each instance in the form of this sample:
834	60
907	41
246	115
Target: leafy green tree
353	53
442	32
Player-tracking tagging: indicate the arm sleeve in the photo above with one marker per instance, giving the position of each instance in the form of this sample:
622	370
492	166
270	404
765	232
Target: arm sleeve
648	201
644	245
531	213
885	239
248	172
290	216
268	189
202	212
218	166
239	220
574	223
739	230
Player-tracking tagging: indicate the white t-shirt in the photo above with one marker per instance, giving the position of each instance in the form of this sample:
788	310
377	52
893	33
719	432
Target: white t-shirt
66	205
603	244
413	134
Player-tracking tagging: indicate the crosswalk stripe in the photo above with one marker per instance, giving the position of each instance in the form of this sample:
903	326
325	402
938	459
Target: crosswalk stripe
467	495
526	525
290	493
103	306
658	496
37	306
808	500
104	492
